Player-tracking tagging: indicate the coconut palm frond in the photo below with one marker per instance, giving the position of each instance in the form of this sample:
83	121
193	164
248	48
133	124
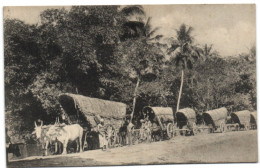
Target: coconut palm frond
190	29
196	51
161	45
133	28
147	26
189	64
156	38
177	60
207	50
173	49
132	10
151	33
184	34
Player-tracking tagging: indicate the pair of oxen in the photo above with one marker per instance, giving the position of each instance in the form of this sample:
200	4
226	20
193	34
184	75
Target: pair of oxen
49	134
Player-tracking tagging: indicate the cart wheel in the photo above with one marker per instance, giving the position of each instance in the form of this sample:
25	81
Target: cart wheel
194	129
170	130
111	135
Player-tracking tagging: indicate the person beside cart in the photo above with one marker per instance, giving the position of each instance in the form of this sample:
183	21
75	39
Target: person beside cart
130	128
142	130
102	135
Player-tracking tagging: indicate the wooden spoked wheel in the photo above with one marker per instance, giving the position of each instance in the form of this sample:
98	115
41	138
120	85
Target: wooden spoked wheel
111	135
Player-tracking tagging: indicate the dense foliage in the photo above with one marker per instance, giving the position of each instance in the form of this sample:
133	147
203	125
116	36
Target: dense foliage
102	52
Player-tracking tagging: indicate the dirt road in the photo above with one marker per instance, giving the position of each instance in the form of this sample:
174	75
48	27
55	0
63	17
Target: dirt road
227	147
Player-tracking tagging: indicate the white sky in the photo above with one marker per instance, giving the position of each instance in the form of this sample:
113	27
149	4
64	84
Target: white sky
230	28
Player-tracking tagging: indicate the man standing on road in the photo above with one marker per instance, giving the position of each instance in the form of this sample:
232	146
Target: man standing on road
142	129
102	135
130	128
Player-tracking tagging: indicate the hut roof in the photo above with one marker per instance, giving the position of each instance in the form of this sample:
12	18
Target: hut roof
241	117
90	107
215	116
163	112
254	116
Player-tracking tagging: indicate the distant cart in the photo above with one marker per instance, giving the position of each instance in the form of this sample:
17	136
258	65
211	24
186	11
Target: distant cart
86	111
216	119
186	122
253	120
242	118
161	119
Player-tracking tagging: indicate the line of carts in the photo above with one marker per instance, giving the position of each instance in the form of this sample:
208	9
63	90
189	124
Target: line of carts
162	123
212	121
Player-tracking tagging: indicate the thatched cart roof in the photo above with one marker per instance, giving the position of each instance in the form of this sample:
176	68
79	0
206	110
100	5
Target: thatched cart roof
215	117
186	116
241	117
188	112
112	112
164	113
253	117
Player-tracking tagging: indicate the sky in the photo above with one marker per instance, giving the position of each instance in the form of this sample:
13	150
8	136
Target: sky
230	28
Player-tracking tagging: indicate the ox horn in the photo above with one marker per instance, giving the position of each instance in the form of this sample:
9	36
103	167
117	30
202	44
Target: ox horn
41	123
35	124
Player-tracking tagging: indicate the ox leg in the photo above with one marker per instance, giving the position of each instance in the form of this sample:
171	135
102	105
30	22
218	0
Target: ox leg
46	148
80	141
78	145
56	147
65	143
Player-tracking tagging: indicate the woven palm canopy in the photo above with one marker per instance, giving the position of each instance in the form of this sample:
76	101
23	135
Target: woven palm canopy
86	108
186	116
253	118
241	117
215	117
163	113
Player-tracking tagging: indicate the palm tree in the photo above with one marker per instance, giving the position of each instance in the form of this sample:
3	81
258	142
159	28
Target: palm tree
183	52
140	32
208	53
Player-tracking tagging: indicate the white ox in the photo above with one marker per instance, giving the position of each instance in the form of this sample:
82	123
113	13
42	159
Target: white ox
41	134
66	133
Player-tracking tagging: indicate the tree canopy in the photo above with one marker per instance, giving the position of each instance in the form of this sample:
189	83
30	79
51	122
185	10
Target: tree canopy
102	52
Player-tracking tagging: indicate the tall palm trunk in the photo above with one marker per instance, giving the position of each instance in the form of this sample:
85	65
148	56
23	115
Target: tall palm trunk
208	95
134	100
180	92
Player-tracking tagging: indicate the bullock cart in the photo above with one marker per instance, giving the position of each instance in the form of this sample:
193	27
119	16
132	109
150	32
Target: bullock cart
231	125
161	121
186	122
241	119
86	111
253	120
216	119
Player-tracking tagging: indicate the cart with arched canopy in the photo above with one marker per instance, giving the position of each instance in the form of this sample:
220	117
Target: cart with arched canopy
186	121
161	119
253	120
242	118
86	111
216	119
